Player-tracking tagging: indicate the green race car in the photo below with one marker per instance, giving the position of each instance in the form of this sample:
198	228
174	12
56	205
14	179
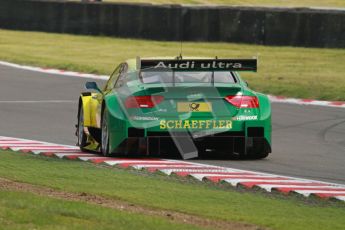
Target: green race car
166	106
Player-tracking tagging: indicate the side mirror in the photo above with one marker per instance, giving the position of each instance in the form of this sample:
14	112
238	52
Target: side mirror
92	85
247	84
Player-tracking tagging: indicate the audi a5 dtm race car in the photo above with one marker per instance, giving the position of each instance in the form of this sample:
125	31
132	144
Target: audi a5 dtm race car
156	106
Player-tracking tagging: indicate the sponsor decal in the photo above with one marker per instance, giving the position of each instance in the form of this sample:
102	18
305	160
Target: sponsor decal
138	118
195	96
201	65
194	107
195	124
162	110
246	118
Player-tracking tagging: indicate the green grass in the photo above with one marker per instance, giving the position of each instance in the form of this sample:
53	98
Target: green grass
295	72
280	3
20	210
276	212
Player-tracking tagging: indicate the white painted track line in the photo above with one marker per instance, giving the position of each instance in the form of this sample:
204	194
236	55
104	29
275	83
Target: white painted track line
275	99
235	182
269	187
55	71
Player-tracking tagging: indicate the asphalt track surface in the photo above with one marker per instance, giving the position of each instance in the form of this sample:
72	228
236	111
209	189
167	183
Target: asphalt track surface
308	141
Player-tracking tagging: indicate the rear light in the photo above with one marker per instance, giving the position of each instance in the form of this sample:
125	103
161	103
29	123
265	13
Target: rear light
143	101
243	101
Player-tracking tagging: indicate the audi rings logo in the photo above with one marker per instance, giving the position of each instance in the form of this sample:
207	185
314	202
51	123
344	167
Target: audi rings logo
194	106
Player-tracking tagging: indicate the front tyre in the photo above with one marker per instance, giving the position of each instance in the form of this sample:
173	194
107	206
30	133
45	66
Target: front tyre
81	135
105	134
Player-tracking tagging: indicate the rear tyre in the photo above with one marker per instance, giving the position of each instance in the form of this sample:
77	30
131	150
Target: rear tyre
251	149
105	134
257	156
81	135
259	150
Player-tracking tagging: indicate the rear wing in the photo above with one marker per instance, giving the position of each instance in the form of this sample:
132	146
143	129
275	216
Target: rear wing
198	64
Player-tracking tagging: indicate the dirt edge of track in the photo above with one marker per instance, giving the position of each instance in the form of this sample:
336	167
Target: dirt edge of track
173	216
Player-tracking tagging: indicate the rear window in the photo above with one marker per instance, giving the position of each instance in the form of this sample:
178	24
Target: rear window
150	77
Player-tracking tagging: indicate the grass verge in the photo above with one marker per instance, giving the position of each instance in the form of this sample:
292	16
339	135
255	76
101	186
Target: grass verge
161	192
295	72
19	210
